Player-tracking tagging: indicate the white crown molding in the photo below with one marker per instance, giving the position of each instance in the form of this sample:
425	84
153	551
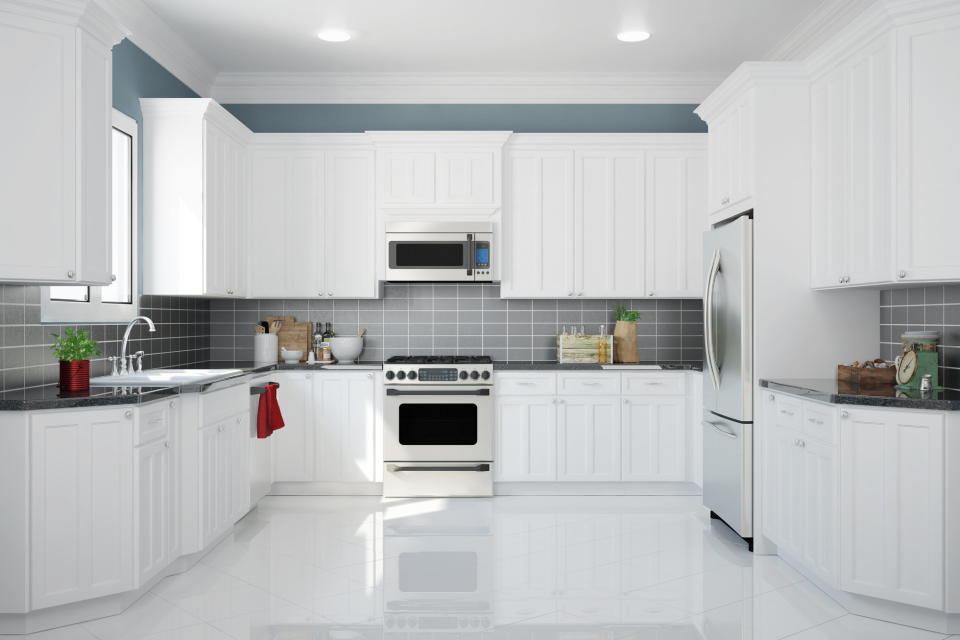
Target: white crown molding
825	22
464	88
196	108
149	32
747	76
285	141
435	139
659	141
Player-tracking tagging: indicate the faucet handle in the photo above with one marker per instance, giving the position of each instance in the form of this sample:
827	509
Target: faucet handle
139	356
113	364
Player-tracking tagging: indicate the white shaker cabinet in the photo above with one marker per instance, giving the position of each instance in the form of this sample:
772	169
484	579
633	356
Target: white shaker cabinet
215	482
81	505
344	412
588	442
294	445
892	505
55	123
195	198
526	438
537	242
312	217
731	156
653	433
155	528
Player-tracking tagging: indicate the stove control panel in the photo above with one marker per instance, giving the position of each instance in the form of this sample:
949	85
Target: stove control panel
438	374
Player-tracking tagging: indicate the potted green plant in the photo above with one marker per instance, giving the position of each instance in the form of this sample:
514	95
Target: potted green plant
625	335
73	349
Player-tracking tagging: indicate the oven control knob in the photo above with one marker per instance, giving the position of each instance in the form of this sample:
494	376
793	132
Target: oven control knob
474	375
412	375
388	375
485	375
401	375
463	375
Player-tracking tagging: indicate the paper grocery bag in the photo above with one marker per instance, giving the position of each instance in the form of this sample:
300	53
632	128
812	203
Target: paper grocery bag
625	342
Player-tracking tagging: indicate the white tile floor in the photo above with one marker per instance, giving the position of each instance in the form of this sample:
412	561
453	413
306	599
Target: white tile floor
518	568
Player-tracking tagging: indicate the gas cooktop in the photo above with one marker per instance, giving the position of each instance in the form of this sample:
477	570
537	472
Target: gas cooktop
439	360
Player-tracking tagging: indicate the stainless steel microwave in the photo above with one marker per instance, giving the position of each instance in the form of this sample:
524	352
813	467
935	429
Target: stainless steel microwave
439	251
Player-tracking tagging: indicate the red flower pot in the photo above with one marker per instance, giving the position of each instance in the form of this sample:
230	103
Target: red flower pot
74	375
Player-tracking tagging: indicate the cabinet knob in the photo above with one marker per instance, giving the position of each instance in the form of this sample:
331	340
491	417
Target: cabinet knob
725	200
166	444
570	294
113	277
128	414
220	427
71	274
330	293
370	375
238	419
771	398
320	294
901	274
229	292
580	293
172	404
842	280
801	443
560	401
625	401
652	293
844	414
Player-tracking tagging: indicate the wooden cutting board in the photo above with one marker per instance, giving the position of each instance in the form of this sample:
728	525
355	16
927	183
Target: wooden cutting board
294	336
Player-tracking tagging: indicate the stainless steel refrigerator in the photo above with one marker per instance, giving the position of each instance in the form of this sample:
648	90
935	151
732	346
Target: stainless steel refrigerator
728	375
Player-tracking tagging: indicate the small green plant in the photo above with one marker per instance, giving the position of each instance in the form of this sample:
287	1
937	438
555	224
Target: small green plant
627	315
74	344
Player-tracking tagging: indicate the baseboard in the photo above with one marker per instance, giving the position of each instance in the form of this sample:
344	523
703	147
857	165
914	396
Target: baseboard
596	489
326	489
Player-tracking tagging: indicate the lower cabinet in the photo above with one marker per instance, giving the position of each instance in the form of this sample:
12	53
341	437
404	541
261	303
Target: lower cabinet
81	505
155	531
653	439
330	422
588	440
526	438
224	475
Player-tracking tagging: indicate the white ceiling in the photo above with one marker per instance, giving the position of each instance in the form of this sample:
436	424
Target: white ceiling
493	36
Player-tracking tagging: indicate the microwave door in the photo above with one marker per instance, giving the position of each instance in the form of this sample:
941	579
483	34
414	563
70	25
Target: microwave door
431	257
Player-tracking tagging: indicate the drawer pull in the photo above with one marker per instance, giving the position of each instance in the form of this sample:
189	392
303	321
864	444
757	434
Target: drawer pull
526	384
786	413
653	384
591	384
813	421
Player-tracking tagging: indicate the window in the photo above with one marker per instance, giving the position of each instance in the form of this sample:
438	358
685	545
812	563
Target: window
116	302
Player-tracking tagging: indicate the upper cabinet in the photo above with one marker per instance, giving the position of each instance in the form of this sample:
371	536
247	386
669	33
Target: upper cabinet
195	198
731	157
630	209
884	134
312	216
431	170
55	126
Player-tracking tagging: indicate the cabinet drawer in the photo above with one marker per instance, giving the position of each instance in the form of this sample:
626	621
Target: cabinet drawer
224	403
526	384
654	384
153	421
818	422
788	412
589	384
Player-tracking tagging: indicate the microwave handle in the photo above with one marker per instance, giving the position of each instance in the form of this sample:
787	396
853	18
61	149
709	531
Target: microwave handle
471	254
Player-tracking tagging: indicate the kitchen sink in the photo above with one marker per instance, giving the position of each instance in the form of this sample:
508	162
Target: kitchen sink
164	377
632	367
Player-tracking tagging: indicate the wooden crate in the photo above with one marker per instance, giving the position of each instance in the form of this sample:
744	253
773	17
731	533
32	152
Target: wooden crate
587	349
866	377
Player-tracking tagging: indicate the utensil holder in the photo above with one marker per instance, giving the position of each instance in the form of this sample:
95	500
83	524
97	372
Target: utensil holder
265	348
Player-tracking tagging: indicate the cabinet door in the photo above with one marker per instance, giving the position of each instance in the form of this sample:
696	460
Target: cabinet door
928	136
676	217
154	524
345	406
216	481
81	505
350	239
526	438
653	439
285	219
406	177
467	177
235	217
538	225
820	535
892	505
215	227
239	443
609	224
589	438
293	445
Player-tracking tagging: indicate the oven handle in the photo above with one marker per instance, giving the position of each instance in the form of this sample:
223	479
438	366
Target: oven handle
413	392
392	468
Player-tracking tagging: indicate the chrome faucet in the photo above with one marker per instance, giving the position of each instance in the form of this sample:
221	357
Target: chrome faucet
126	337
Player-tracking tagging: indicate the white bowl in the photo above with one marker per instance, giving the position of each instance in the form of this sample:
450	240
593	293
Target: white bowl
291	356
346	349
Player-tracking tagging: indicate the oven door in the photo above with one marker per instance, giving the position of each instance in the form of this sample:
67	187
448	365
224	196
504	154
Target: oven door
426	423
429	257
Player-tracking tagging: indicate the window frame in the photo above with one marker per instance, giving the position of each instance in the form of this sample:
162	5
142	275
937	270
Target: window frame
94	309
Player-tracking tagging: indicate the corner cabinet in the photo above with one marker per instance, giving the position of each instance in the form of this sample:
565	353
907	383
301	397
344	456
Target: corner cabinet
630	209
55	125
195	198
312	217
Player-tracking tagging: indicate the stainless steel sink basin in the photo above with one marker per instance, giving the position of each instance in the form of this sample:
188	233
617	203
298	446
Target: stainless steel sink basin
164	377
632	367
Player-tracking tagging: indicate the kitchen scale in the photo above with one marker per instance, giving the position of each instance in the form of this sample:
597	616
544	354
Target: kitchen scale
918	360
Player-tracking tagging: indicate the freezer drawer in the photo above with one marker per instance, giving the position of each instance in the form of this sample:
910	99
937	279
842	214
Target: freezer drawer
728	471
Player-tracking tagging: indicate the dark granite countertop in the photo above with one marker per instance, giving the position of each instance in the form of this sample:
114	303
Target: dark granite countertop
517	365
49	397
828	390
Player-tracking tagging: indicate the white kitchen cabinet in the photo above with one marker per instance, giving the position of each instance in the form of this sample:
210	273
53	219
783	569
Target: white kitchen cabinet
344	420
312	217
537	240
675	221
731	153
216	482
294	446
195	198
892	519
526	438
653	432
588	442
238	429
155	523
55	124
81	505
609	237
927	137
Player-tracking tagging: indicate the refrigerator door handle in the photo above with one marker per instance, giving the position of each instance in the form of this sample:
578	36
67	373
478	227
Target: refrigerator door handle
708	320
726	432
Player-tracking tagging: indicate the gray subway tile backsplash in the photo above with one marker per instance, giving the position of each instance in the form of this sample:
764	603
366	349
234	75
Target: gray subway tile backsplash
933	308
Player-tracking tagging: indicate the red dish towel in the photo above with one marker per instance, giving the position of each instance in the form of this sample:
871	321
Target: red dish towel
269	418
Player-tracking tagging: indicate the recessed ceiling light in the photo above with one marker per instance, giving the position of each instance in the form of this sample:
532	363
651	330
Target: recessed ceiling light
633	36
333	35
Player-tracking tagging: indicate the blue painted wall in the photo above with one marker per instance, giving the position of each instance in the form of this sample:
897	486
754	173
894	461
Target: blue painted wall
521	118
